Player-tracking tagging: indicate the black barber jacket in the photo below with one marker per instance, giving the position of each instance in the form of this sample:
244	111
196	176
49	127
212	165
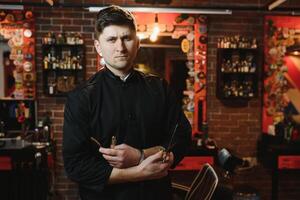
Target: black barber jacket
141	112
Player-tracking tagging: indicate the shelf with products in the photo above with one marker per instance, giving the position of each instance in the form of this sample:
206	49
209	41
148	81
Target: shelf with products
63	67
237	73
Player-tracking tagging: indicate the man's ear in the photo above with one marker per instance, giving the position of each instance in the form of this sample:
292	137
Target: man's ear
97	47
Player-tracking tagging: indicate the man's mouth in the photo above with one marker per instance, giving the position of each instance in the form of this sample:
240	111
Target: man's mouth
123	56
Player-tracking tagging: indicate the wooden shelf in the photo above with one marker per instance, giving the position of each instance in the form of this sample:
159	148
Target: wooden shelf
237	73
63	68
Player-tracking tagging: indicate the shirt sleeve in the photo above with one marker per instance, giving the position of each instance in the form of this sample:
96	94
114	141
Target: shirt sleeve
182	136
83	164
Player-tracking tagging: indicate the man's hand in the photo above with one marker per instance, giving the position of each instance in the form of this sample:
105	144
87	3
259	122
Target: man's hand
153	167
121	156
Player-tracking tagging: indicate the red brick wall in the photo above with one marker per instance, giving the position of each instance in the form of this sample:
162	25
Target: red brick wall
58	20
234	125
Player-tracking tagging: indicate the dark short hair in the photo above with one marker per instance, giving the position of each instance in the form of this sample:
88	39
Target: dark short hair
113	15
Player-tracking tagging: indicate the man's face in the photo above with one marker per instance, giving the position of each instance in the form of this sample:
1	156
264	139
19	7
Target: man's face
118	46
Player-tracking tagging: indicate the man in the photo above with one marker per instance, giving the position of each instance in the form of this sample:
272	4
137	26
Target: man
132	117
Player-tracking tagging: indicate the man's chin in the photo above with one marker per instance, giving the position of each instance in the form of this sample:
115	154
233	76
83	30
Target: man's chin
121	67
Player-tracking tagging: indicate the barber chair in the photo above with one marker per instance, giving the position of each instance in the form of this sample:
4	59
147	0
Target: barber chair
202	187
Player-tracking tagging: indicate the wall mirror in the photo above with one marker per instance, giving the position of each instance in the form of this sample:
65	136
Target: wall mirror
281	77
165	58
173	46
17	55
17	71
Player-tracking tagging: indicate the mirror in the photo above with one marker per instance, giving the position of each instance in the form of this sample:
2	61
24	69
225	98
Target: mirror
17	64
281	76
174	45
166	60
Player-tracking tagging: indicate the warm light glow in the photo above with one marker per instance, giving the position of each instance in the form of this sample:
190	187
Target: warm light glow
295	53
156	30
142	36
153	37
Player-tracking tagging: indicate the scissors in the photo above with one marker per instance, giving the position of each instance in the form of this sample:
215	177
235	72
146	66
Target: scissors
113	141
171	144
95	141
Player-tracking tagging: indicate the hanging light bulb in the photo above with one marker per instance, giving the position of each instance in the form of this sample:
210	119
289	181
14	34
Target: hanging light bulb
153	38
156	30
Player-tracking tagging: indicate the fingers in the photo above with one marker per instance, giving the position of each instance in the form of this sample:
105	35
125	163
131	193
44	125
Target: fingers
108	151
156	157
124	155
114	161
168	157
121	146
111	155
111	158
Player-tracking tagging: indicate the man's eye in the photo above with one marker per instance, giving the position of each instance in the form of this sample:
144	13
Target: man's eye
111	40
127	38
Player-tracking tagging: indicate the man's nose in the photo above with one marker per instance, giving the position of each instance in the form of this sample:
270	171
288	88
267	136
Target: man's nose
120	46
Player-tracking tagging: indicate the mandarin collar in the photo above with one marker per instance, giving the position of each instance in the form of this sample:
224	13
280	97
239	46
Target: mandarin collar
115	77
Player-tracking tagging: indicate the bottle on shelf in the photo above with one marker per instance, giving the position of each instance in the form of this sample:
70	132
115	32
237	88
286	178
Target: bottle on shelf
46	62
237	41
63	59
61	38
79	62
52	88
226	91
53	38
241	91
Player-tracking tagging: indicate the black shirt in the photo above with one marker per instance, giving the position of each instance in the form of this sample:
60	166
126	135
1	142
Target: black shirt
141	112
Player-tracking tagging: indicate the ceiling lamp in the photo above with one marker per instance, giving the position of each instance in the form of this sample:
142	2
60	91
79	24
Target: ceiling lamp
275	4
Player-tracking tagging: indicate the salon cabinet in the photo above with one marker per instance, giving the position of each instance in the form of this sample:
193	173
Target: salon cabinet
63	68
279	156
237	73
24	171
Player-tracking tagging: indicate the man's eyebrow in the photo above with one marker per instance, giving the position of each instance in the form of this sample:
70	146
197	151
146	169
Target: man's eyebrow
126	36
122	37
111	37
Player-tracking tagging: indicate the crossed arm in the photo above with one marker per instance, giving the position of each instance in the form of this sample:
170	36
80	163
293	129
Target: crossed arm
128	167
117	165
